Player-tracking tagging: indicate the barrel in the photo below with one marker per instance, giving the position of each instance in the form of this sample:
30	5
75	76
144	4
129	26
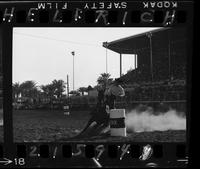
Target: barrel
117	122
66	109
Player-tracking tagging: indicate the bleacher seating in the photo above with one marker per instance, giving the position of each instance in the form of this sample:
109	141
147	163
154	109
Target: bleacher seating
163	90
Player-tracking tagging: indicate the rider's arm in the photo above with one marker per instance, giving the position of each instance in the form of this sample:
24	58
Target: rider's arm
122	91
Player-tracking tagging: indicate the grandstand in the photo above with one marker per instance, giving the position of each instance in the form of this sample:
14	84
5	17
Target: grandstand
160	75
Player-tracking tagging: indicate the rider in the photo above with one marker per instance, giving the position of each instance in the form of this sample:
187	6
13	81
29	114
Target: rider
112	92
101	114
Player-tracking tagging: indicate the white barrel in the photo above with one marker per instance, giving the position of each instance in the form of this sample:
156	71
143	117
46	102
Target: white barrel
66	109
117	122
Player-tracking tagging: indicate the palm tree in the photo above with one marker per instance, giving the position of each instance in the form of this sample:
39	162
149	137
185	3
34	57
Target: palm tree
58	87
48	90
104	79
16	90
28	89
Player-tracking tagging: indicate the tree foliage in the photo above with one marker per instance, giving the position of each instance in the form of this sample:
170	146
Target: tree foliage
58	87
74	92
54	89
82	90
31	90
16	89
104	79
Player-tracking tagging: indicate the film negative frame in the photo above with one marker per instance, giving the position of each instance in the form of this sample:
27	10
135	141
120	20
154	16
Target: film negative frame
80	154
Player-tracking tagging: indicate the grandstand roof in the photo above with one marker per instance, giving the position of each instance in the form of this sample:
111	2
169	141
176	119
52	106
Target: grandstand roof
131	44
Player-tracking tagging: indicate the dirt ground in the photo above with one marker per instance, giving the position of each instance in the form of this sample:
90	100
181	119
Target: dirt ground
54	126
46	125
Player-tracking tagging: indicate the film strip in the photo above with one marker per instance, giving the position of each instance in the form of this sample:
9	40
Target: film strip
137	154
104	13
146	125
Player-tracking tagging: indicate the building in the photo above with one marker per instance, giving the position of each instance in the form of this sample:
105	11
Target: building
93	93
160	66
160	54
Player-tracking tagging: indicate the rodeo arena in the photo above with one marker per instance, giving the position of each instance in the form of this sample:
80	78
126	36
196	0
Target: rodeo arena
148	103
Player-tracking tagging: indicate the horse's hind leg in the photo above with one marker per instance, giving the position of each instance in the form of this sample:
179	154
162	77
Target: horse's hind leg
102	129
86	127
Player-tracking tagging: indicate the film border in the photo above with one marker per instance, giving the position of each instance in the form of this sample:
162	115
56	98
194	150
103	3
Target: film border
8	145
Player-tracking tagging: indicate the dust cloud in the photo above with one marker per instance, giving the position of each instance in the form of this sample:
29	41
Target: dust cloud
148	121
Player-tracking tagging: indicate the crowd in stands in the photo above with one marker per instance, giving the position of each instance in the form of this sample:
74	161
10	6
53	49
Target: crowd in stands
161	91
140	86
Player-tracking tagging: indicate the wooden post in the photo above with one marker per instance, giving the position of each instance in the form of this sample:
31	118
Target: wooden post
68	86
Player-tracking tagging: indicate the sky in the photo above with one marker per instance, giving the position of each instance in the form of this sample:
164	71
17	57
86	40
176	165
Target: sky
44	54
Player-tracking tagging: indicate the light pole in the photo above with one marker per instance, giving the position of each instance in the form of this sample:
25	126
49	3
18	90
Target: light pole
73	53
106	57
67	86
105	44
